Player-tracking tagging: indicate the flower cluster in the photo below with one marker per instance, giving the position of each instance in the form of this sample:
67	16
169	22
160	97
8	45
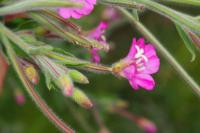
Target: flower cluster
141	60
60	67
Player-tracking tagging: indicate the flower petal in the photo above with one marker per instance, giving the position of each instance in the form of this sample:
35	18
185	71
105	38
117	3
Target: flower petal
95	55
64	12
88	6
133	84
149	50
152	66
145	81
93	2
141	43
129	72
132	51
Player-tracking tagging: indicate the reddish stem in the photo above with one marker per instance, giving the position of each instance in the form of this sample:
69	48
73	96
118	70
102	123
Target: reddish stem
44	107
3	70
126	114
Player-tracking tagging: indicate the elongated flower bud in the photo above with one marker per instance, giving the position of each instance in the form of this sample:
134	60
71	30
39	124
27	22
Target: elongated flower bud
78	77
81	98
65	83
31	74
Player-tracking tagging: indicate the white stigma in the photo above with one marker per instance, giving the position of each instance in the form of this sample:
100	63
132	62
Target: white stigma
140	58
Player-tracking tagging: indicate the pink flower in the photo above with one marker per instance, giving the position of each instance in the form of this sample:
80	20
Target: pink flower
98	34
77	13
139	64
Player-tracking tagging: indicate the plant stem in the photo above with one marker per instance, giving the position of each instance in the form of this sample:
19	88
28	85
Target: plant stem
3	70
22	44
68	60
33	94
122	3
187	2
28	5
76	39
148	35
178	17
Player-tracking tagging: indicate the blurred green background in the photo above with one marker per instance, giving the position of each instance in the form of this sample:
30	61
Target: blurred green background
173	106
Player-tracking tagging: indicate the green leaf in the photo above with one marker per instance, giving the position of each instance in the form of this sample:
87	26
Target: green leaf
49	84
29	5
187	41
64	52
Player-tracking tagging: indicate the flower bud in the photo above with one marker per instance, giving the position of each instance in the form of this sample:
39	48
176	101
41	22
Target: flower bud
147	125
65	83
31	74
78	77
19	97
81	98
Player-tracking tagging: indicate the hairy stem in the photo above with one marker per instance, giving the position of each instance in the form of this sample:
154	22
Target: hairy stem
186	2
28	5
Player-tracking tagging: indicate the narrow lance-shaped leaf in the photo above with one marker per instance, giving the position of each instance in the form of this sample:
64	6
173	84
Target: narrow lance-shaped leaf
122	3
76	39
187	41
28	5
170	13
186	2
22	44
73	61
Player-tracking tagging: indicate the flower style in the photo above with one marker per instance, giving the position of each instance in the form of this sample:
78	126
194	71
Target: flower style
139	64
98	34
77	13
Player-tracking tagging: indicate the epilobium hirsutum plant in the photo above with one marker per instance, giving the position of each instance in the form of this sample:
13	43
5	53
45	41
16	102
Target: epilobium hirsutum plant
53	20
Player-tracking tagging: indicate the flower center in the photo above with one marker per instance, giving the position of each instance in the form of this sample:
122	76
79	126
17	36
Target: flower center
140	58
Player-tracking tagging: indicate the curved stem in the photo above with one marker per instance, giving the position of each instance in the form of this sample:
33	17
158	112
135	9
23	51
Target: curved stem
178	17
148	35
3	70
28	5
31	91
186	2
68	60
